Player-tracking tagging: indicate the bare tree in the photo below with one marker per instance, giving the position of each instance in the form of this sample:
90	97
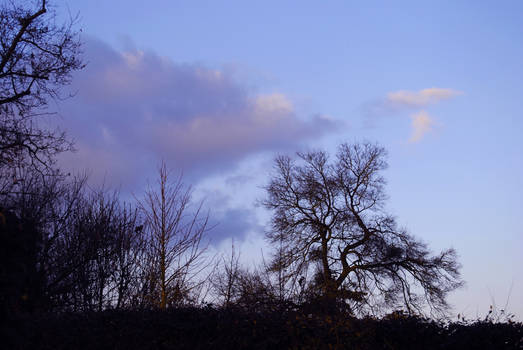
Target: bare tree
66	247
107	242
225	282
176	233
42	208
258	289
329	219
37	58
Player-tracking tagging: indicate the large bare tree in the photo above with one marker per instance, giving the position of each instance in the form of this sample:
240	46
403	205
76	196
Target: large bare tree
176	232
329	223
37	58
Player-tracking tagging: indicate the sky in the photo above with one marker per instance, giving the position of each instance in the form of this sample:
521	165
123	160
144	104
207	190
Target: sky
218	88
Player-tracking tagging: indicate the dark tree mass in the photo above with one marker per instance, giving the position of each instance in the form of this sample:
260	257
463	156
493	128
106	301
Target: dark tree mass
332	230
66	247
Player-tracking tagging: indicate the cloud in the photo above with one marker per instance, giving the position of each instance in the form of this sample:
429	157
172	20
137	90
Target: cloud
401	101
421	98
233	222
404	100
421	124
134	107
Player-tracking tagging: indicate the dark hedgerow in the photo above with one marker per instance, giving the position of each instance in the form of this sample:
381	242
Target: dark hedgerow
235	328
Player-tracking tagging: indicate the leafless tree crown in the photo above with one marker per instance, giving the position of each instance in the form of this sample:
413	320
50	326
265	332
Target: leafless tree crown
176	240
331	228
37	58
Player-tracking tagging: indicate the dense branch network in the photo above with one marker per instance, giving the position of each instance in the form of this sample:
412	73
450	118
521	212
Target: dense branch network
329	219
176	235
37	58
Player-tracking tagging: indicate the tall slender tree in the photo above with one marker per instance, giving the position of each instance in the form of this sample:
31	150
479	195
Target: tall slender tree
176	232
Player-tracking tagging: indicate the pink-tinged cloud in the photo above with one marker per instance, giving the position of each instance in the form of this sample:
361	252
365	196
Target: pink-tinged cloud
421	98
133	108
405	100
402	101
421	124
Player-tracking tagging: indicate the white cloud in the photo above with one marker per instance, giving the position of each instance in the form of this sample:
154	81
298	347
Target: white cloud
421	124
420	98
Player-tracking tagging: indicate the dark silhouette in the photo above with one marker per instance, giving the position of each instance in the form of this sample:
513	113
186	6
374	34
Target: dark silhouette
37	57
225	282
330	225
175	242
67	247
79	269
19	285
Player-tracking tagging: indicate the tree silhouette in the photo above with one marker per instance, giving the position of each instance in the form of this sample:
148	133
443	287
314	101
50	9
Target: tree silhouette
226	281
67	247
35	232
37	58
329	220
106	244
175	241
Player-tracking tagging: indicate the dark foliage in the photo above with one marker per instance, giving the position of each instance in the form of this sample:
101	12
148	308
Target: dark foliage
65	247
19	285
233	328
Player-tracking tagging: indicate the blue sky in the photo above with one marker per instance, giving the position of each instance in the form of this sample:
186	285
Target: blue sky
439	84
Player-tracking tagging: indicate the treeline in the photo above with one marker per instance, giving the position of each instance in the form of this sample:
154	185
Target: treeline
82	269
69	247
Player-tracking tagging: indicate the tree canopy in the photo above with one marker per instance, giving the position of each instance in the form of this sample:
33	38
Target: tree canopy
330	223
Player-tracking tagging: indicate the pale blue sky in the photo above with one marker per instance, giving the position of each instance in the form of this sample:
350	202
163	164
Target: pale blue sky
455	152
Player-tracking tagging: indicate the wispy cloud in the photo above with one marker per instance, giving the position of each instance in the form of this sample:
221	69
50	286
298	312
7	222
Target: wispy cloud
135	107
422	98
403	101
421	124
